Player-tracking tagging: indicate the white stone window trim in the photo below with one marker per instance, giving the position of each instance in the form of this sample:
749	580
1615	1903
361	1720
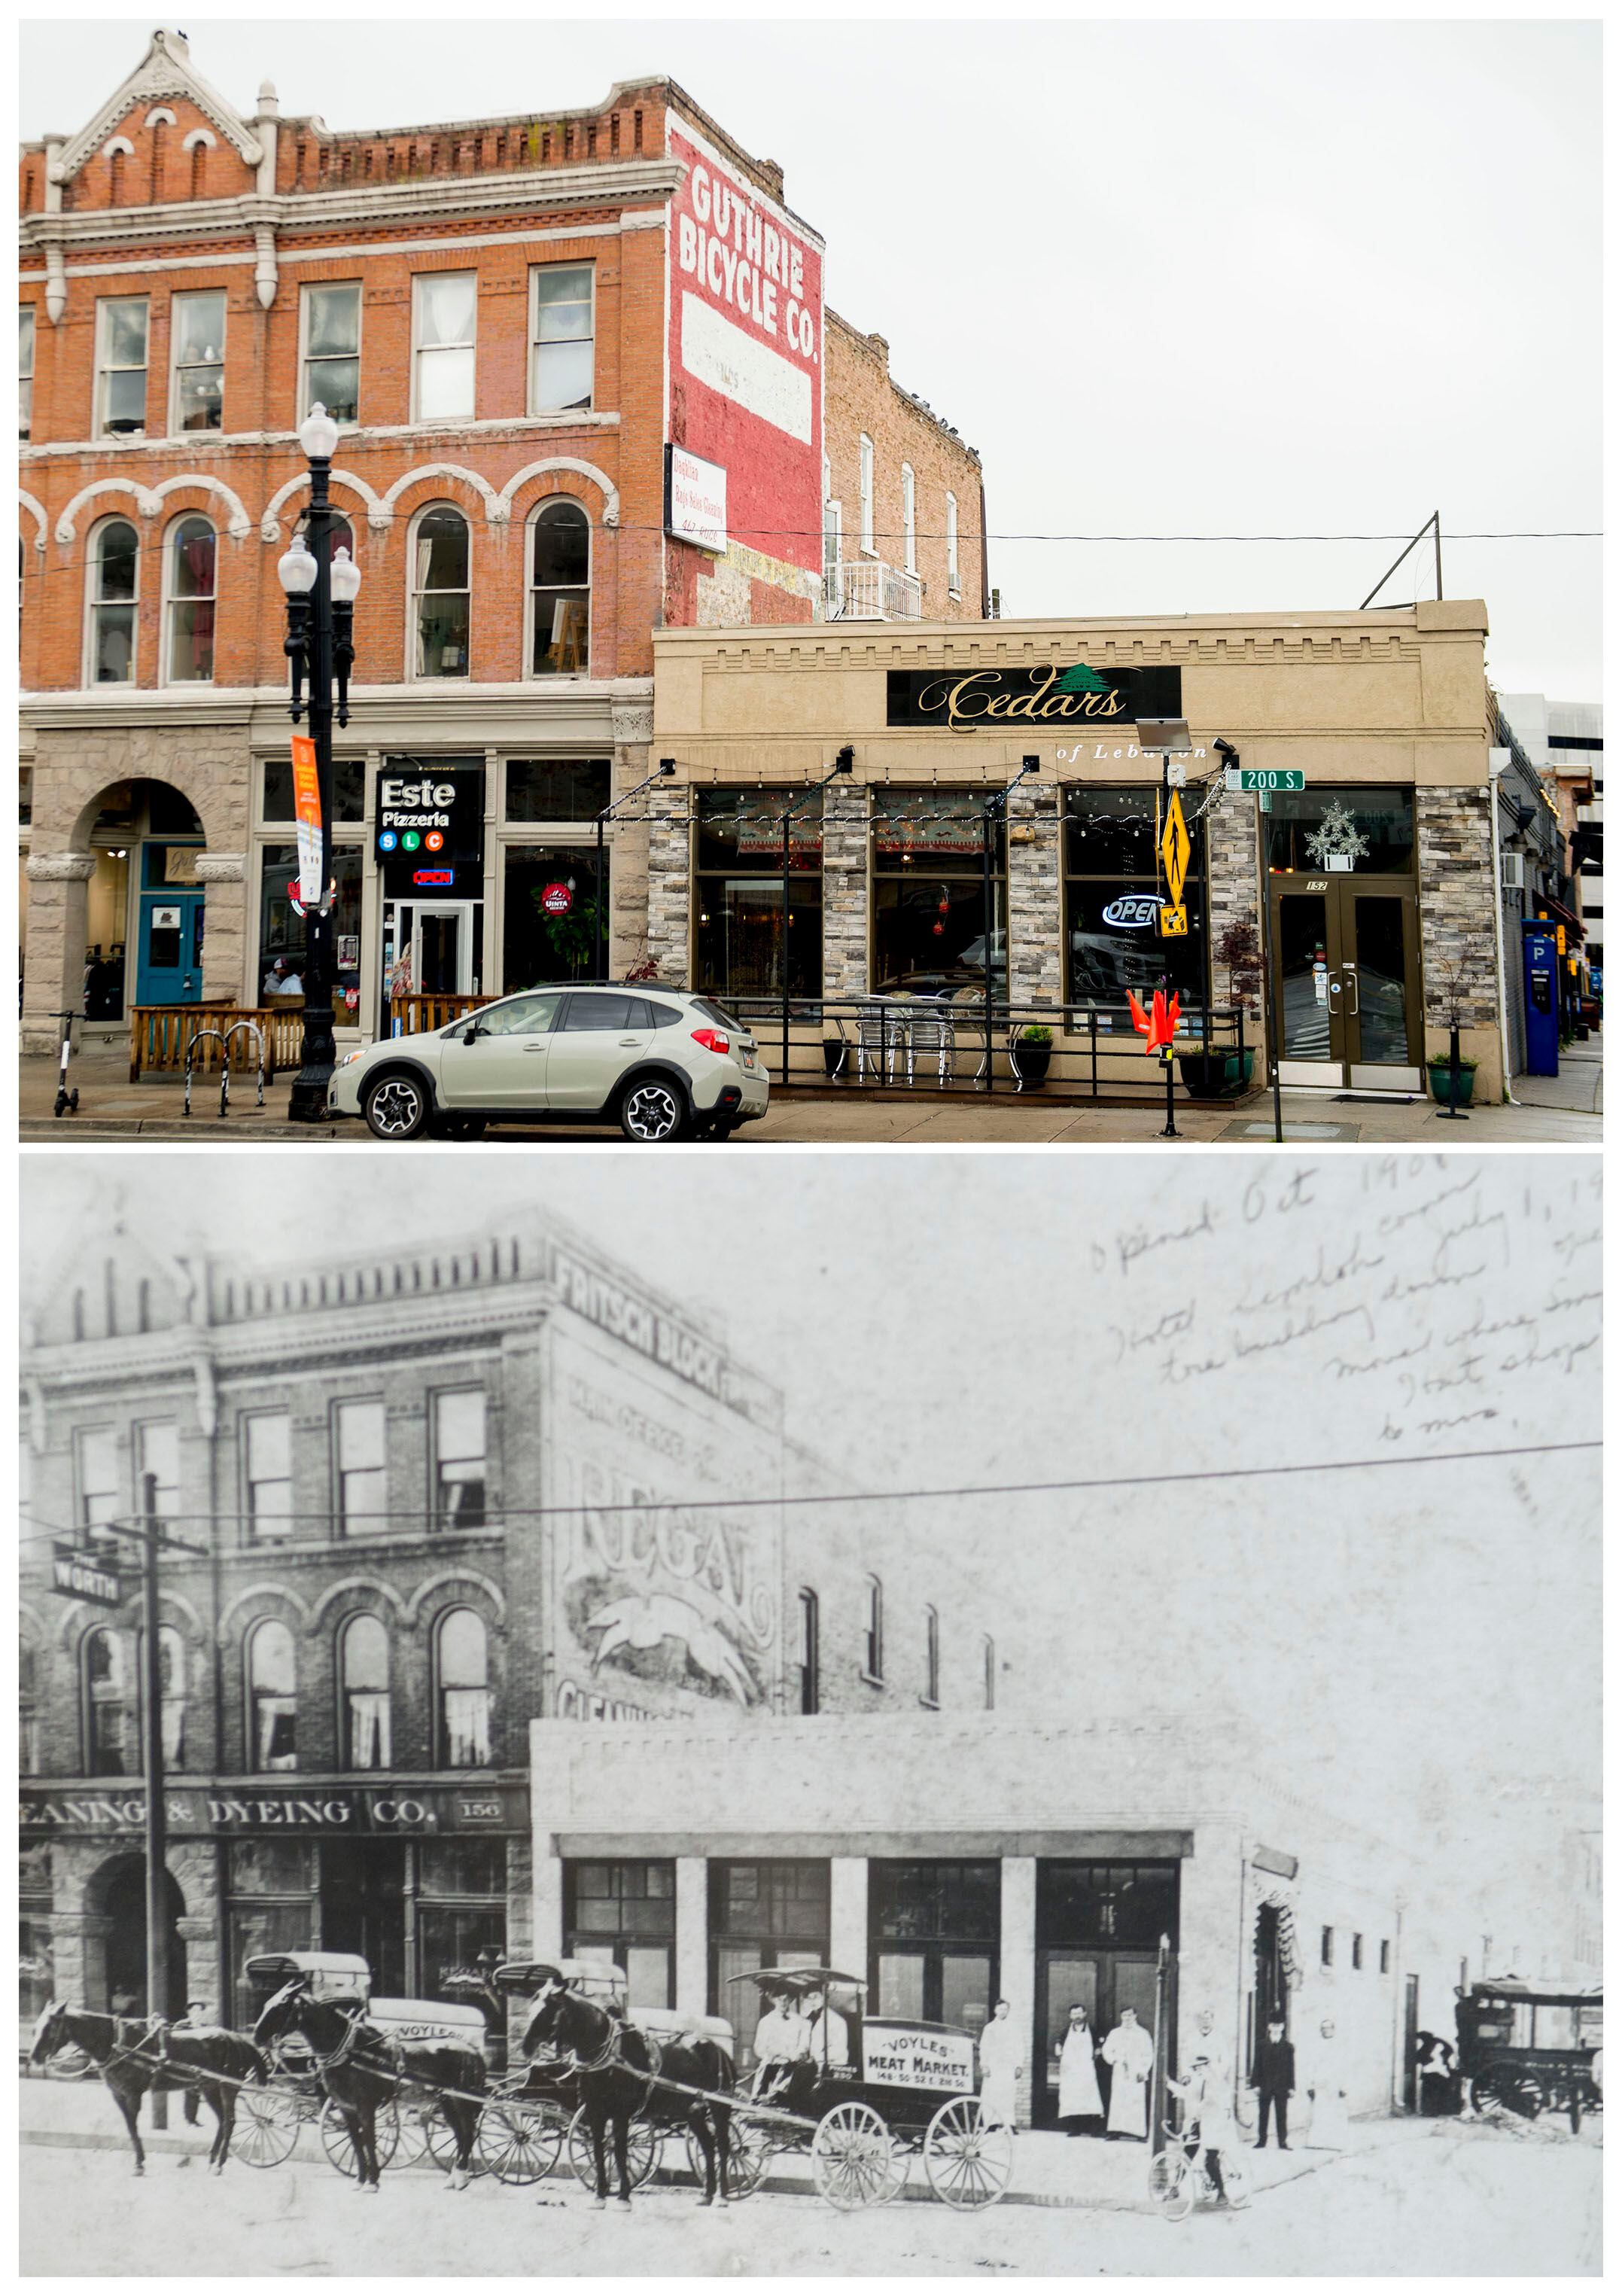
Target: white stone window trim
170	598
532	410
103	306
307	288
439	421
530	675
414	675
93	602
909	518
864	494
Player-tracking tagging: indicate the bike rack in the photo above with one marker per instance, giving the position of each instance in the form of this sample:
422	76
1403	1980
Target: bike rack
258	1034
201	1036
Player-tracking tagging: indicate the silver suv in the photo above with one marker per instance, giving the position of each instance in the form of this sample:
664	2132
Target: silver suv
662	1064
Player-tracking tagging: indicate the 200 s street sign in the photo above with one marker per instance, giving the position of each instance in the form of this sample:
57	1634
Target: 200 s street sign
981	701
1265	777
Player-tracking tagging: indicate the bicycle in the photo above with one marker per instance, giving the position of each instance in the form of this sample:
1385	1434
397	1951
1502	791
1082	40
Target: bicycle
1178	2178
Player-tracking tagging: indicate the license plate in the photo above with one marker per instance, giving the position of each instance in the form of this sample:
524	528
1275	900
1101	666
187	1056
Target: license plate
749	1060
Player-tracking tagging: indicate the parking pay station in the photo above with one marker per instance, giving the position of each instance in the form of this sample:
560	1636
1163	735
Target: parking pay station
1541	960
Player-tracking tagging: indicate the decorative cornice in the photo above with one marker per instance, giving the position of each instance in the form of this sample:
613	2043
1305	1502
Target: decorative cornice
165	70
404	714
487	429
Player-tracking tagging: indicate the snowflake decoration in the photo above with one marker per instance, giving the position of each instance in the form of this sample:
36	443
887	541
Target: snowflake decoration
1337	833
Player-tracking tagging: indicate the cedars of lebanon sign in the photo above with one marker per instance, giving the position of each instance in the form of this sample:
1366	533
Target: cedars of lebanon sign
971	700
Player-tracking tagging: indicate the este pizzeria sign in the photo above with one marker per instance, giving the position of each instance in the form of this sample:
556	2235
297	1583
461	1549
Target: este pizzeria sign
979	699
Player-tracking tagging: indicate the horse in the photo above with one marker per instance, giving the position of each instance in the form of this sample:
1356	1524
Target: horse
616	2066
362	2067
138	2054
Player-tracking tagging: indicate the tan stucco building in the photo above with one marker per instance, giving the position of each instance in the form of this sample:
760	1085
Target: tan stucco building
1379	870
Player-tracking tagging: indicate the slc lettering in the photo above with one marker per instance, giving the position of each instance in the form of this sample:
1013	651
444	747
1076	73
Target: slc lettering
728	246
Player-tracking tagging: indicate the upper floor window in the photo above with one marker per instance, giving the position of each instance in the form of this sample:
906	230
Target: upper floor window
989	1671
363	1493
191	557
439	578
909	518
561	331
269	1437
459	1459
329	316
464	1692
810	1656
120	366
1356	1949
1326	1948
25	370
96	1465
172	1695
559	590
367	1736
272	1698
932	1655
158	1468
27	1708
446	321
115	565
865	492
955	580
197	350
873	1651
110	1747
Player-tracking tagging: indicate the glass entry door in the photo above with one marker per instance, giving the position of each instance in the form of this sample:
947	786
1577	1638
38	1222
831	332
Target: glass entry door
1346	980
1104	1983
440	938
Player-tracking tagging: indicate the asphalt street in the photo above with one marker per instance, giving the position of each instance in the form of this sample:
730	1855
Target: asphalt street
1431	2198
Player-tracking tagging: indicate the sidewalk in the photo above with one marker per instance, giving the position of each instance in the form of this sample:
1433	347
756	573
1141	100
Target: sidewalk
1050	2171
1563	1110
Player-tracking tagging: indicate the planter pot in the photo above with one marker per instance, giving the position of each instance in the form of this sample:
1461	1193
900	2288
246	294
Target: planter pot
833	1054
1216	1075
1438	1073
1030	1061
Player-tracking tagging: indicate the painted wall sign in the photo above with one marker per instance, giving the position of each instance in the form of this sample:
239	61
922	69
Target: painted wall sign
430	829
695	499
904	2056
980	700
385	1808
638	1323
746	351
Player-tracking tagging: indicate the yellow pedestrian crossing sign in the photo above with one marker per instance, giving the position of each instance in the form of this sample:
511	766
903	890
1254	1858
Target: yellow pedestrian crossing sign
1173	921
1176	847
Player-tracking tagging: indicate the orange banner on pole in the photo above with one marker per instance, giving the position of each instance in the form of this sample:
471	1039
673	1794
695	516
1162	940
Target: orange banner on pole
307	813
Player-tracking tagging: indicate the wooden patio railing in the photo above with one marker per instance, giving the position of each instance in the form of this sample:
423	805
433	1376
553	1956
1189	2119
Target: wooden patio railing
159	1035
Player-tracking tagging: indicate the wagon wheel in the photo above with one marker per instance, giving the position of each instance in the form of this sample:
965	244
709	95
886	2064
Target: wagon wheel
518	2143
852	2157
438	2136
341	2152
1171	2184
967	2163
266	2127
640	2152
749	2155
412	2141
1512	2090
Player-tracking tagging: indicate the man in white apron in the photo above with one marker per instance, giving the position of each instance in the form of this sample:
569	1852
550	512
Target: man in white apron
1079	2097
1129	2053
1001	2059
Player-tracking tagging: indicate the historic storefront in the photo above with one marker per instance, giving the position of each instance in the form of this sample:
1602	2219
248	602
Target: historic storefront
1368	868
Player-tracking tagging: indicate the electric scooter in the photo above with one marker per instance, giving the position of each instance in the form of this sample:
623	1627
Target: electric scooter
67	1102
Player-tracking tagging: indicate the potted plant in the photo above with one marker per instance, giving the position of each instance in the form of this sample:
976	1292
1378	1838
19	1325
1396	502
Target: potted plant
1221	1075
1439	1069
1448	1001
1031	1051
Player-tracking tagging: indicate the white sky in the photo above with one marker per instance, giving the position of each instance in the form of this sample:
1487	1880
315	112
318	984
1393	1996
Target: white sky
1191	277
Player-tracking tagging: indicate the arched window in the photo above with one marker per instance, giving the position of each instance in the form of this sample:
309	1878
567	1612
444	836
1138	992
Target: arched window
932	1655
988	1670
559	590
439	561
27	1708
191	558
365	1671
272	1698
810	1655
115	574
109	1742
172	1681
872	1654
464	1692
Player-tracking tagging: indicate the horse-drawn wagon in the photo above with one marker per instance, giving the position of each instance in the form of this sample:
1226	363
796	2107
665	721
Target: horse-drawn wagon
1526	2045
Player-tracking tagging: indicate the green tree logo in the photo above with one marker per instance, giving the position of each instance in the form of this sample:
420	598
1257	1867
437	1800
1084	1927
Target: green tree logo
1083	680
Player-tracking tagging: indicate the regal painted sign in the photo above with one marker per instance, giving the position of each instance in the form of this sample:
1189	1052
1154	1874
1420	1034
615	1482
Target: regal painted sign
980	700
746	351
913	2056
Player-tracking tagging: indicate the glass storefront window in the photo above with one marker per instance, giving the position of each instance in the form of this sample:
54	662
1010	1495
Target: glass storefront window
282	928
929	894
541	946
1357	830
556	789
263	1929
263	1868
1114	895
451	1937
348	789
739	924
1106	1903
472	1868
935	1898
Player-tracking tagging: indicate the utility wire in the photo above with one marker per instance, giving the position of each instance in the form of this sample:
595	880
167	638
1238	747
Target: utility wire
942	1491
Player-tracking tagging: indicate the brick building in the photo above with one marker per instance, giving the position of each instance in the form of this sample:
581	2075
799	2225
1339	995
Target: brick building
419	1484
512	321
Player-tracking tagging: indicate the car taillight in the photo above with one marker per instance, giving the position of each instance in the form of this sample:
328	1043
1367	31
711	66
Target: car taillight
714	1040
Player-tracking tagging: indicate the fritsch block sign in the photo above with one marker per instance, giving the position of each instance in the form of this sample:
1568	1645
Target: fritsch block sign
1002	701
75	1573
695	499
430	831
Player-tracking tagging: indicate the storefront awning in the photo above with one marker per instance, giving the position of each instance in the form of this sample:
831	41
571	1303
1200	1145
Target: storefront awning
1560	914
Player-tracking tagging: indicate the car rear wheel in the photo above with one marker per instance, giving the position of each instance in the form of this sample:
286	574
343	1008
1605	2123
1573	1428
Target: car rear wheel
396	1108
653	1110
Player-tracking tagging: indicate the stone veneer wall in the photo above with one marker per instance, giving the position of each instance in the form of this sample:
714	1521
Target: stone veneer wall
1456	888
1036	930
846	816
669	881
1232	865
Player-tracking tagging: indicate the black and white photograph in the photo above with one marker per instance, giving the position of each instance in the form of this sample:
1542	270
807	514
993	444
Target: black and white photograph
949	1680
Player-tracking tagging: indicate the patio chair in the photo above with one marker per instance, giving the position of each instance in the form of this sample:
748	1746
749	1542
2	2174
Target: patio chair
930	1031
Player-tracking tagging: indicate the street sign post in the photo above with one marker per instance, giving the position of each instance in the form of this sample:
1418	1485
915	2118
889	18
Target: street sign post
1264	778
84	1577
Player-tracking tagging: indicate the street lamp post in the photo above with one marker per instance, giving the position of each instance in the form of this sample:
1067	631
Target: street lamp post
321	587
666	768
997	802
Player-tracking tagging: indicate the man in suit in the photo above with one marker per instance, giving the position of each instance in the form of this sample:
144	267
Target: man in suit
1274	2082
